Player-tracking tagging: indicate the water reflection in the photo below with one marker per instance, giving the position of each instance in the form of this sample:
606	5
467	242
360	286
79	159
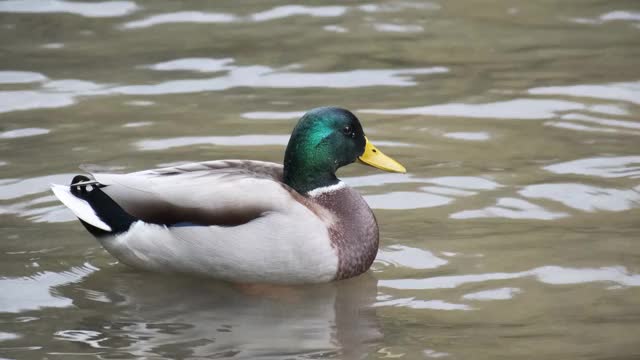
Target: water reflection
258	76
469	136
510	208
26	100
448	188
447	191
53	46
335	28
621	15
273	115
609	125
584	197
465	182
15	188
413	303
606	167
453	182
4	336
200	17
384	27
65	92
609	109
19	133
396	6
194	64
155	315
405	256
618	15
405	200
53	94
137	124
196	17
554	275
32	208
20	77
579	127
625	91
91	338
601	121
523	109
433	354
381	179
39	291
88	9
505	293
281	12
139	102
33	211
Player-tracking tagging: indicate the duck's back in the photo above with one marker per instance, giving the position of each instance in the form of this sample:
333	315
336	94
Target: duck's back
224	192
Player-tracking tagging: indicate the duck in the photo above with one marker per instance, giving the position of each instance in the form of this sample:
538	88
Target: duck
243	221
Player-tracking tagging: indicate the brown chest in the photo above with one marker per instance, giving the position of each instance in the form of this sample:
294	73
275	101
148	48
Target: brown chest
354	232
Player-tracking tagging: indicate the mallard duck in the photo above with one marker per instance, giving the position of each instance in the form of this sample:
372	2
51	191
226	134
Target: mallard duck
243	221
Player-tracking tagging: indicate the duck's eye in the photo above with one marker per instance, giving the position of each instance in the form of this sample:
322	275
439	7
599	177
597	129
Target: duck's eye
347	130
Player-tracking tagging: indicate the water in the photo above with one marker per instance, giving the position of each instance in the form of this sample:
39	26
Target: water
513	236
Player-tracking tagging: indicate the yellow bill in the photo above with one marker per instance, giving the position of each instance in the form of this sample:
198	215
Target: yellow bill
374	157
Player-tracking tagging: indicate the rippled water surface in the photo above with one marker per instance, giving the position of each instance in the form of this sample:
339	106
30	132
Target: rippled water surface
514	235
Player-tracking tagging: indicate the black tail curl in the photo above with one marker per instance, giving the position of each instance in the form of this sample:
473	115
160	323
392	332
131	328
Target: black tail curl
107	210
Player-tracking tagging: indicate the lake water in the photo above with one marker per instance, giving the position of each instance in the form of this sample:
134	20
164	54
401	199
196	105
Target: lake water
514	235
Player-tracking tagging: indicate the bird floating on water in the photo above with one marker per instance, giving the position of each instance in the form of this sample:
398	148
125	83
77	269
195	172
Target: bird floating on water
243	221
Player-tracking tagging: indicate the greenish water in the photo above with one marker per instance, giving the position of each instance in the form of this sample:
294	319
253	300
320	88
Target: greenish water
514	234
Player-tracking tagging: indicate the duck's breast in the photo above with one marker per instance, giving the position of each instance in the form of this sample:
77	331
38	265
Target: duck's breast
353	232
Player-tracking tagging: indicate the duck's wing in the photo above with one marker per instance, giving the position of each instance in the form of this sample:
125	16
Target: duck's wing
226	193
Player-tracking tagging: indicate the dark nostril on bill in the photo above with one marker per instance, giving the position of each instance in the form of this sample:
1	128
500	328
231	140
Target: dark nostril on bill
374	150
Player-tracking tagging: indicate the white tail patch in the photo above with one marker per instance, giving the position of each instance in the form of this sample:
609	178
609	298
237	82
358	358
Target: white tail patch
79	207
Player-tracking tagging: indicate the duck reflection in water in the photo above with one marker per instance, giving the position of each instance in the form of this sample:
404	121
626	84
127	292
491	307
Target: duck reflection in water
160	315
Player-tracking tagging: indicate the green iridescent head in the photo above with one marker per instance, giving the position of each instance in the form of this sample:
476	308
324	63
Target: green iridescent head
324	140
